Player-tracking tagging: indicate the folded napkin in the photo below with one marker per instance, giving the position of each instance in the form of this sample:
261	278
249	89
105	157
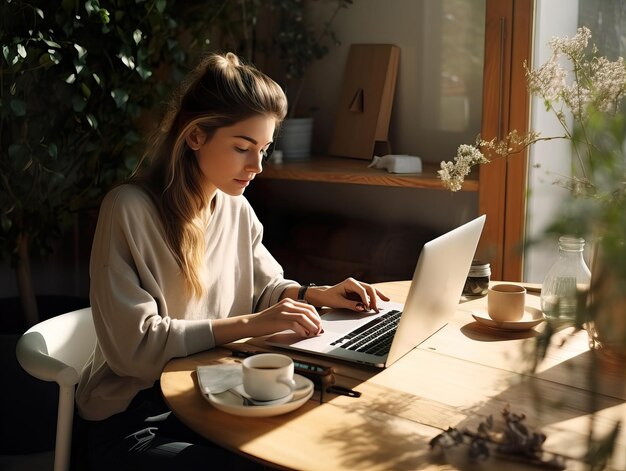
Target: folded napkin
215	379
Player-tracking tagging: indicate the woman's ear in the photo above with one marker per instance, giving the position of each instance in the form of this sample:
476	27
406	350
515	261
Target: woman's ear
195	138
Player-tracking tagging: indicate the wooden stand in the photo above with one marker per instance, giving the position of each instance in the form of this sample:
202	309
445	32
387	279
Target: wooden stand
369	84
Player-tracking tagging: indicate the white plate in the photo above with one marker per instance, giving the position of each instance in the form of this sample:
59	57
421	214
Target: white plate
530	319
242	392
233	403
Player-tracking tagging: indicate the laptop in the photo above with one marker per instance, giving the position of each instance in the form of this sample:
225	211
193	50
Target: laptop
380	339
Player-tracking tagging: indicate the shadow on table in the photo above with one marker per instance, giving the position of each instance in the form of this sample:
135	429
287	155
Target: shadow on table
480	333
381	439
554	400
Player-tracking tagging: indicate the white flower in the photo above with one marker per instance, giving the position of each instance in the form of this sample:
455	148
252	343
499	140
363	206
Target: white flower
595	84
548	81
573	47
609	82
452	174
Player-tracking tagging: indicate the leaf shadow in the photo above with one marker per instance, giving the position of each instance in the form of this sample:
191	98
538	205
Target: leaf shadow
394	434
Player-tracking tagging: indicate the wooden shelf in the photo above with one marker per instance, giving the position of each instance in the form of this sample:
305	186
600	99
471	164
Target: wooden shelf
355	171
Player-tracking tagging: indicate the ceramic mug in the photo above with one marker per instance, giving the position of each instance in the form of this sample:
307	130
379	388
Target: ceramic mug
505	302
268	376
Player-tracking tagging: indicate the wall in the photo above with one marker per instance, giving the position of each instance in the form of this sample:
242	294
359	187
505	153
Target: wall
433	45
422	121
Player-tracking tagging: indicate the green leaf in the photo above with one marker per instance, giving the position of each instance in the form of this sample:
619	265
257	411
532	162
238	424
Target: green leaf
82	52
85	89
137	36
18	107
120	96
21	51
161	4
127	59
6	52
92	6
55	57
143	72
53	151
105	17
93	122
51	43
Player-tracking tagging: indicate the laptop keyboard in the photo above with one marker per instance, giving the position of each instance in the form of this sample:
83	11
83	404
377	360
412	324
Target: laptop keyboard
374	337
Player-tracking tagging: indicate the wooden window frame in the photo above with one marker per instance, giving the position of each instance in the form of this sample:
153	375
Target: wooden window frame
506	103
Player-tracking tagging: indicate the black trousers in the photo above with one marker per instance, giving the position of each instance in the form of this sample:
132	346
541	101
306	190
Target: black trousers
149	436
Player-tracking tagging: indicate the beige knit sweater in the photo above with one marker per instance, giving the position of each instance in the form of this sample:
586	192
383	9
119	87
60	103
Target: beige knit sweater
142	314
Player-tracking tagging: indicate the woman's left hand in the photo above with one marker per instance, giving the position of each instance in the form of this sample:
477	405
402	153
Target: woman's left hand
350	293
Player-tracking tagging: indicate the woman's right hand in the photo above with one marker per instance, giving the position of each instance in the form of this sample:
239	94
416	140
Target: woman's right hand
298	316
286	314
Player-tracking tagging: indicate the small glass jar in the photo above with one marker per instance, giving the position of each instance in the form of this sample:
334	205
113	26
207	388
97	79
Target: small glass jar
567	277
477	282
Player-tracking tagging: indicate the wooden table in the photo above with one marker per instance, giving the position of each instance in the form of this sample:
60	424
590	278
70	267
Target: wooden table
458	377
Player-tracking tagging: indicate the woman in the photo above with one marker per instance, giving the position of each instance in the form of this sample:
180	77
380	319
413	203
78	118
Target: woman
178	267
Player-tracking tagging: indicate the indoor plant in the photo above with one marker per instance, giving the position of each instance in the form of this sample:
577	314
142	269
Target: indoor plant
592	94
78	83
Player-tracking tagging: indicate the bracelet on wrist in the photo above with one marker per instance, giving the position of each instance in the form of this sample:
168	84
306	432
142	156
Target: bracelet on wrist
302	292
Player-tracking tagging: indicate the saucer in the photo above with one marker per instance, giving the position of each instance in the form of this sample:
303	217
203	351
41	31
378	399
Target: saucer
530	319
233	403
257	402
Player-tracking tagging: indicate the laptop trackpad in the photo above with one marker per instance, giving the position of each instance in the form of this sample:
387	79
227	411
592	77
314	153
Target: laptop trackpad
317	343
336	323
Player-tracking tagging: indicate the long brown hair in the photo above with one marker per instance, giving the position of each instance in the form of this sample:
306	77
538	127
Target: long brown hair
219	92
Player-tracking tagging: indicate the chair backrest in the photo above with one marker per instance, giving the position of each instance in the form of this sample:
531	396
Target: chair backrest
67	338
57	349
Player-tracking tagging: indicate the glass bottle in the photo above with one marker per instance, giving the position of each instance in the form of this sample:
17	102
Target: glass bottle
568	276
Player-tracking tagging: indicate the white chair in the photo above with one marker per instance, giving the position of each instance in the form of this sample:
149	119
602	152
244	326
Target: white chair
56	350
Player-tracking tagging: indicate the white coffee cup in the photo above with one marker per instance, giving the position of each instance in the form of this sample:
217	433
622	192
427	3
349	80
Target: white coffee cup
505	302
268	376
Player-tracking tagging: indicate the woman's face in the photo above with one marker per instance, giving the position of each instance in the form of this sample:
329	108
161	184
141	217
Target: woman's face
233	156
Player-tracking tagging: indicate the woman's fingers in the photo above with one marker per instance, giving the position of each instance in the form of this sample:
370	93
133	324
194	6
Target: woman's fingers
360	300
382	295
373	295
365	295
302	317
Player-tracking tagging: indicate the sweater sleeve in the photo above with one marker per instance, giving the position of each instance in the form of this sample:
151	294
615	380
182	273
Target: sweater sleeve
131	268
